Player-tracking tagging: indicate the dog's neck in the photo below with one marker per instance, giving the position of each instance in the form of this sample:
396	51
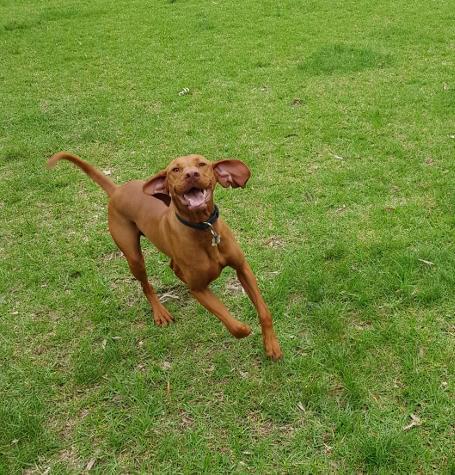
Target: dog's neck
196	216
202	225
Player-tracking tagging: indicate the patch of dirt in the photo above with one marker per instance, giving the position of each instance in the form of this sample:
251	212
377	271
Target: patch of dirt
275	242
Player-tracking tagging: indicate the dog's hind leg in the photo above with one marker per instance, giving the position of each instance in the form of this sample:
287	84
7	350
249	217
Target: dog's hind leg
127	237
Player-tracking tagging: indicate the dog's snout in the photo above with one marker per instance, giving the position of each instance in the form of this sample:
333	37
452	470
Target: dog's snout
192	173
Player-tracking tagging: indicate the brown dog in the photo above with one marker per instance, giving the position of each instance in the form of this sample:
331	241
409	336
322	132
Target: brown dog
175	211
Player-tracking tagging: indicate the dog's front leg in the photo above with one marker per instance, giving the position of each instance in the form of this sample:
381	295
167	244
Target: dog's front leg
211	302
248	281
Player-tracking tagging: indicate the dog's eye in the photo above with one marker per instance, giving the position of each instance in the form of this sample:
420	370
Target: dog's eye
202	164
176	169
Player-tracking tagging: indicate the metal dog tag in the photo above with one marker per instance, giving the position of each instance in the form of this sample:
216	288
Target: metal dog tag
216	238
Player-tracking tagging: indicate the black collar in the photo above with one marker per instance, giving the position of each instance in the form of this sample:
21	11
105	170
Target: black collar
207	224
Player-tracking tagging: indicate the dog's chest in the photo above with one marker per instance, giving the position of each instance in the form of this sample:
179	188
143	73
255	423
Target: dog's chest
199	269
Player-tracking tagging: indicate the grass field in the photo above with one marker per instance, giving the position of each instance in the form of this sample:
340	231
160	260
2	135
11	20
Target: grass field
345	113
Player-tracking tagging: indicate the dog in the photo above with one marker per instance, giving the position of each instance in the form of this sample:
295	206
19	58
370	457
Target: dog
175	210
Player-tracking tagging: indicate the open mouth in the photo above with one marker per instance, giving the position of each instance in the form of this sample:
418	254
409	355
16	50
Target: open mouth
196	198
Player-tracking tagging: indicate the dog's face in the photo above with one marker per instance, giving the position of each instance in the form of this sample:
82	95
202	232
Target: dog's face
189	181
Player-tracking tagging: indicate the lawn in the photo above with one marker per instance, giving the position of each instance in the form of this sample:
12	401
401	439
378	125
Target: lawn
345	113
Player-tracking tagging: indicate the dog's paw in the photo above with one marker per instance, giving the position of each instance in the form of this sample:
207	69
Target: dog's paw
162	317
241	331
272	348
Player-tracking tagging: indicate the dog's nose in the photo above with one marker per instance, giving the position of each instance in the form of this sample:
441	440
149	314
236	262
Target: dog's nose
192	173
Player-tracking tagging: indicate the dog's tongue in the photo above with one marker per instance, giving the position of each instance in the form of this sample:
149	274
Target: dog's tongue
194	197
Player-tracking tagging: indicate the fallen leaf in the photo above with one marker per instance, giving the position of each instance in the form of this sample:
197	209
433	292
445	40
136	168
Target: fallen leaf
90	465
415	422
184	92
338	157
169	295
274	242
107	172
428	263
301	406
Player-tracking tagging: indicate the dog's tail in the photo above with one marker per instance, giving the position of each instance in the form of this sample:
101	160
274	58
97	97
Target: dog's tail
107	185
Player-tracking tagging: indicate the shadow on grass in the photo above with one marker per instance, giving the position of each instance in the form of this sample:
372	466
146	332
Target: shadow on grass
342	59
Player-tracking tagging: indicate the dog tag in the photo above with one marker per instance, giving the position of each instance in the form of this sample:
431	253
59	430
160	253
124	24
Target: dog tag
216	239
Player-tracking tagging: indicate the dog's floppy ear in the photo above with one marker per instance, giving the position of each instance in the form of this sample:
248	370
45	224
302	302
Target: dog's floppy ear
231	173
157	187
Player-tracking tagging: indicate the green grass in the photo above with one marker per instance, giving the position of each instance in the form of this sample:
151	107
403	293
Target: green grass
345	112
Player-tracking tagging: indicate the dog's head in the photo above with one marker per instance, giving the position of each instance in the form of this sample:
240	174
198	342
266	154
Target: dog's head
189	181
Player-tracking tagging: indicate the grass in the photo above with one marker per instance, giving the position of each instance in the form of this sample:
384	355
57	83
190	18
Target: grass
345	112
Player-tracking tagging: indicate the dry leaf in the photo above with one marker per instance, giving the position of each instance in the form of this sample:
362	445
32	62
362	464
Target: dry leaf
428	263
275	242
338	157
107	172
184	92
301	406
415	422
90	465
169	295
